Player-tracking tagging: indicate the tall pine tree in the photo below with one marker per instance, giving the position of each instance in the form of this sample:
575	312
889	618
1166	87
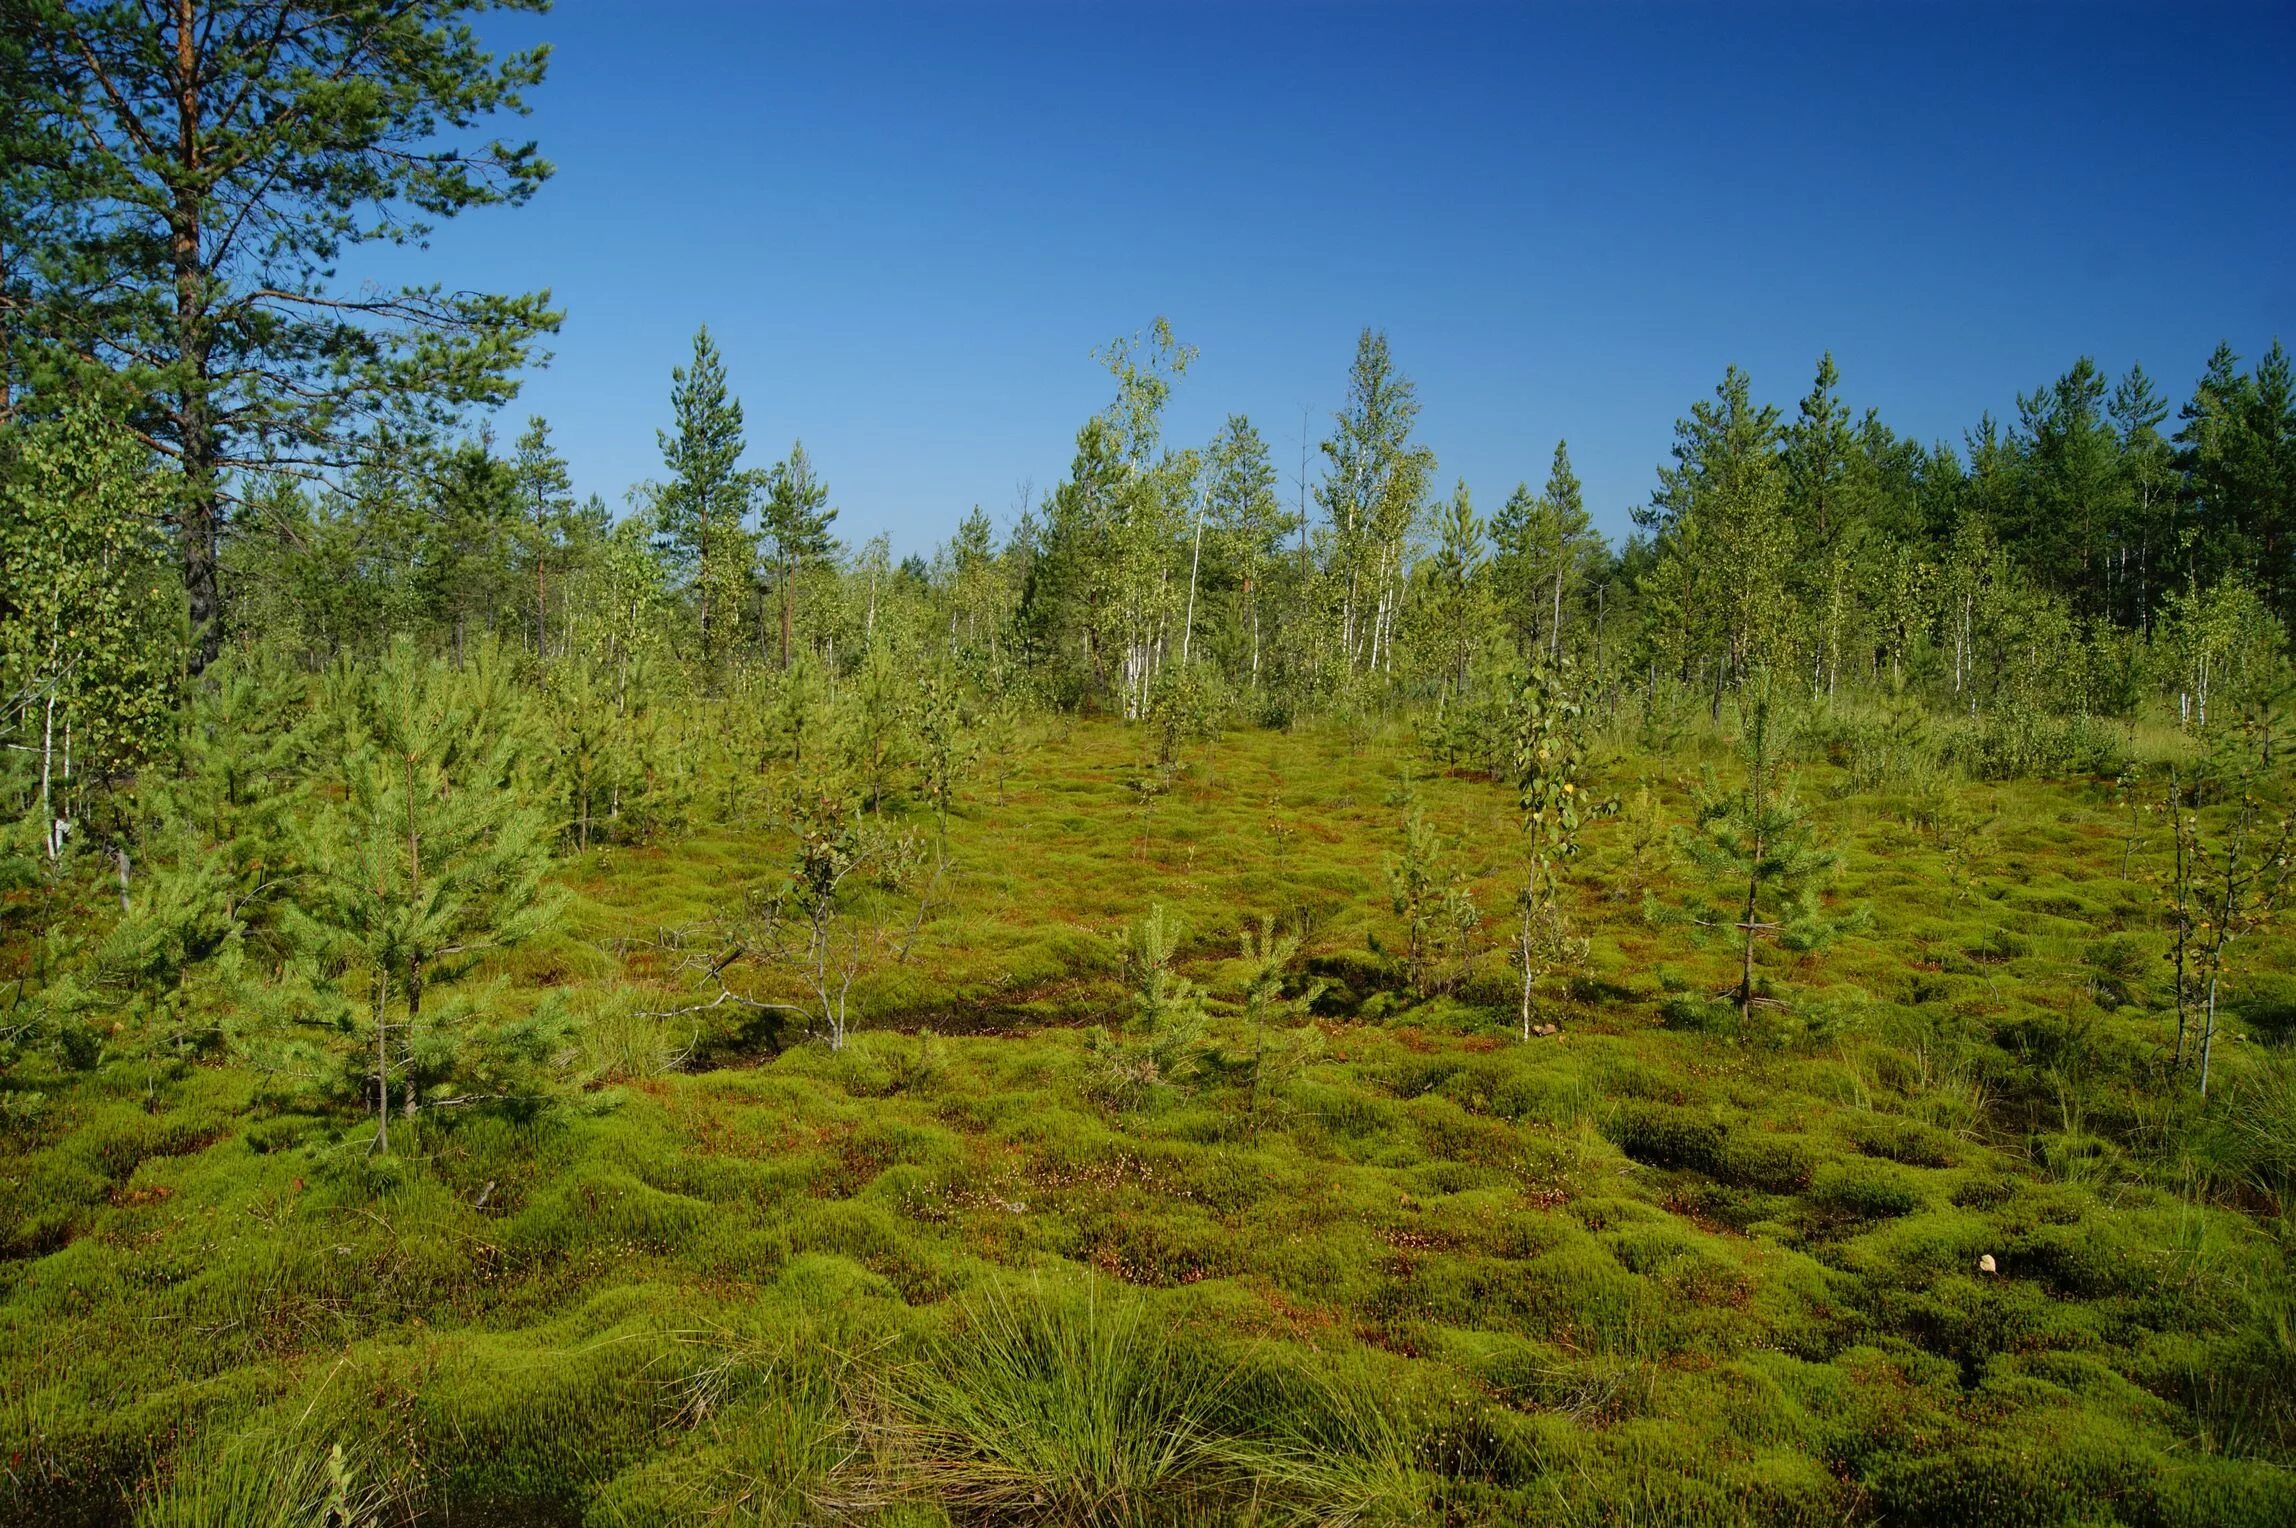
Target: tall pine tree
703	510
226	158
796	522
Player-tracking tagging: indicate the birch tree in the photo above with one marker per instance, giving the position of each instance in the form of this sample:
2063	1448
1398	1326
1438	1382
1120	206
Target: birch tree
2234	865
1548	765
90	631
1154	491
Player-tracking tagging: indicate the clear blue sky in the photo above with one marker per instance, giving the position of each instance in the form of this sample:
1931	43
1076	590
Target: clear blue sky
909	225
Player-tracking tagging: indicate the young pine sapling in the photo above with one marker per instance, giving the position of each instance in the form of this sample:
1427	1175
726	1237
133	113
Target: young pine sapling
1757	840
1278	1052
1429	892
426	857
1167	1016
947	745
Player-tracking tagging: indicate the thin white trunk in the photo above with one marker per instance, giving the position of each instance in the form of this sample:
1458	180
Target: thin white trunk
1195	562
1252	595
47	775
1528	970
2208	1034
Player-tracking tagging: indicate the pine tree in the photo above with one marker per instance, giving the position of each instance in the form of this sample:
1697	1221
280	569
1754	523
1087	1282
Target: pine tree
1818	451
552	526
1162	998
1725	543
465	526
796	522
1542	544
703	510
1821	464
1519	538
2072	504
1249	523
41	198
239	781
1065	606
2148	536
1429	891
1566	533
2237	451
1758	835
877	712
592	757
1277	1053
226	161
1458	602
979	592
1374	486
426	856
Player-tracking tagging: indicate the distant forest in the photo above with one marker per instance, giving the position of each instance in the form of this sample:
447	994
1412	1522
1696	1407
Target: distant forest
2099	553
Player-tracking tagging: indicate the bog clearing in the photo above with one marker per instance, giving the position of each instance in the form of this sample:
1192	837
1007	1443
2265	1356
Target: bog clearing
1152	1141
595	978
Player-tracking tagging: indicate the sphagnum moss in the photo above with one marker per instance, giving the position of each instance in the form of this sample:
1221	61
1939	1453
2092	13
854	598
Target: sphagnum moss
1630	1273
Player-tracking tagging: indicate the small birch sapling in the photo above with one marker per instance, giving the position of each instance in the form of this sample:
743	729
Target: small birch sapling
1548	765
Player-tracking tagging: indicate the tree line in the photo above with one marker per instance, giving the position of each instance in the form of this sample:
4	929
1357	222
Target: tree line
181	188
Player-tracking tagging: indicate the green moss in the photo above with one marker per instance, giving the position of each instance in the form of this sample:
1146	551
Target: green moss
1627	1273
1865	1190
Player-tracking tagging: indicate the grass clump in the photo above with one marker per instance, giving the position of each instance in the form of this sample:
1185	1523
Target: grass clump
1067	1406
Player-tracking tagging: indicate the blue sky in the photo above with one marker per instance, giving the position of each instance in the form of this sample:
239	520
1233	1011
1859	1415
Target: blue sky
909	225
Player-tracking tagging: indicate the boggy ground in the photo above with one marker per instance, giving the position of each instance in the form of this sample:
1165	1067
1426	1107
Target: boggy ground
1407	1268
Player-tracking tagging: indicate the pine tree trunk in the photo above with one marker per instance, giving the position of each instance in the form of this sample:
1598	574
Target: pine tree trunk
1555	631
195	426
7	341
1746	958
382	1066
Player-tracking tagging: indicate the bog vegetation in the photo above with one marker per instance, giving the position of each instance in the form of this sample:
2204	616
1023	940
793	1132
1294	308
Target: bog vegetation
1222	999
